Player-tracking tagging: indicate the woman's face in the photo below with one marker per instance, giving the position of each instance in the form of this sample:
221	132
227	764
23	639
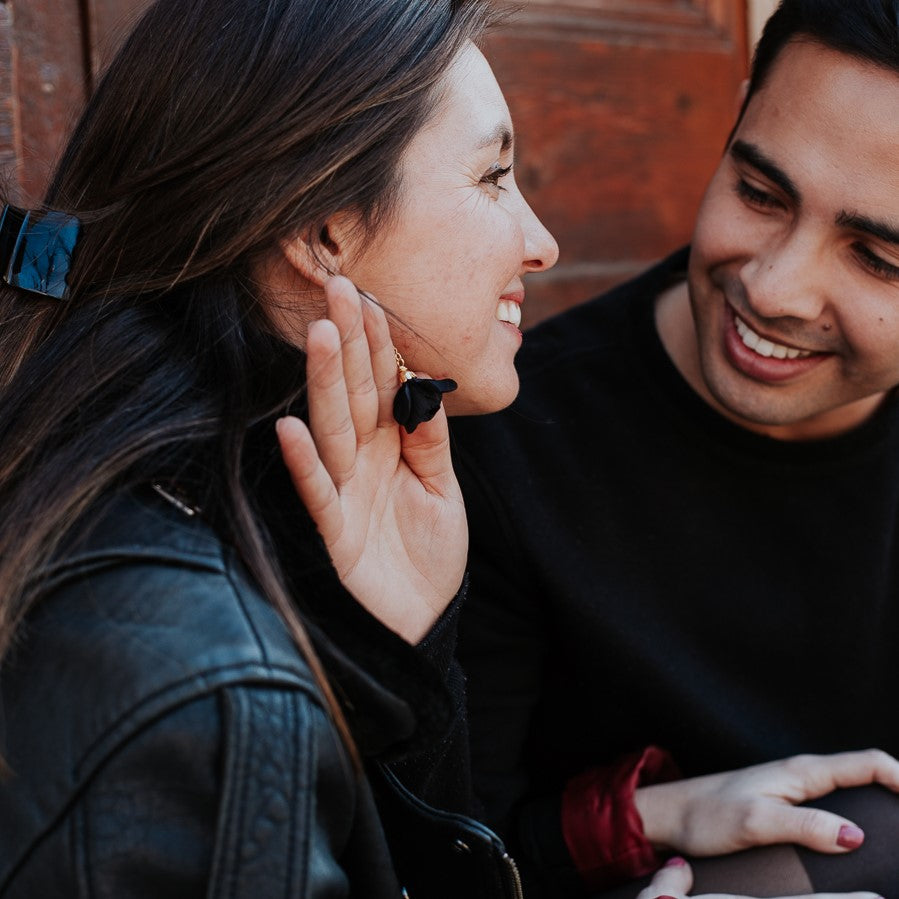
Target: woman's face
449	263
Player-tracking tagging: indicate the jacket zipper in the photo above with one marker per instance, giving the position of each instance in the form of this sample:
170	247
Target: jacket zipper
517	891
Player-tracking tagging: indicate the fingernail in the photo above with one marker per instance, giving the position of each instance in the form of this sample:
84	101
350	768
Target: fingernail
665	896
675	862
850	836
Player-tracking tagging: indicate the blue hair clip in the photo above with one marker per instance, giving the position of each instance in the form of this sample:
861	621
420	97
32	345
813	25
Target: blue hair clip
36	250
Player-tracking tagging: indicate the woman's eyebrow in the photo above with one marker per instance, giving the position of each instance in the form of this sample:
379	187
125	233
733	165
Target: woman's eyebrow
501	134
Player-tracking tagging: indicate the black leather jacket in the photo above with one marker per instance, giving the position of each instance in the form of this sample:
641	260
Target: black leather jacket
165	738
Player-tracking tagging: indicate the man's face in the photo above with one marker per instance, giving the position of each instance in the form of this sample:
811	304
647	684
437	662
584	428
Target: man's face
794	271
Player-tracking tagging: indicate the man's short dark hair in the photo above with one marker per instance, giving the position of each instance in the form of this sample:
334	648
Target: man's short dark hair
865	29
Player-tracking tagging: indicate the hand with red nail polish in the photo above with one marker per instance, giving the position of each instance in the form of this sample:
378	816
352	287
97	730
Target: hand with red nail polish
675	862
850	836
723	813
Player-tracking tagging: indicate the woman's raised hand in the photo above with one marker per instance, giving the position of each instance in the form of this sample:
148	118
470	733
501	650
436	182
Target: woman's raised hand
386	503
676	878
722	813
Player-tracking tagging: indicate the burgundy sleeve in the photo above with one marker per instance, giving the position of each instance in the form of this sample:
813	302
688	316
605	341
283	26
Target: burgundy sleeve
600	823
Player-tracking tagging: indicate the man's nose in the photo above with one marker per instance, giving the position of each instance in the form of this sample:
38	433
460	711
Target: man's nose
787	280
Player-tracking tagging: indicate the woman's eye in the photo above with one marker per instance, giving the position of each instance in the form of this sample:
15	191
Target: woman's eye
756	197
493	176
875	264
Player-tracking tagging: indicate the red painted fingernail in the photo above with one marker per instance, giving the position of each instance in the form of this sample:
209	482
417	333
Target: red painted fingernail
664	896
850	836
675	862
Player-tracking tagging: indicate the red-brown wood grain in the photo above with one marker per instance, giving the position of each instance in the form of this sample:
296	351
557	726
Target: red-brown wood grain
8	108
48	71
110	22
621	111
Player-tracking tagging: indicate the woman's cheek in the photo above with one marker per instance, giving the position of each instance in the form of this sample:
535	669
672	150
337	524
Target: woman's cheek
507	243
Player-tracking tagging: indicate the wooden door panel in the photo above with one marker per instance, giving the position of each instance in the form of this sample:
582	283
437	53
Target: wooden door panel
110	23
664	20
46	49
8	105
48	60
621	111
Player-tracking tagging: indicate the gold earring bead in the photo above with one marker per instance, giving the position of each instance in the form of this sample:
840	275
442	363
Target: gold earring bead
403	372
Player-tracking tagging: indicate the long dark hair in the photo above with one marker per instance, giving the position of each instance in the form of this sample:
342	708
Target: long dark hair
222	127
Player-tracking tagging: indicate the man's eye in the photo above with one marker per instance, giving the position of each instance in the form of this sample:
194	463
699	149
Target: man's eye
754	196
875	264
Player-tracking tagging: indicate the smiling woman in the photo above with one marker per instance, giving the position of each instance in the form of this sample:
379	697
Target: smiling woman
463	292
449	265
208	679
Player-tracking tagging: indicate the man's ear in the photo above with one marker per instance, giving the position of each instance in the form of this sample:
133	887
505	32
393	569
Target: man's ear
319	255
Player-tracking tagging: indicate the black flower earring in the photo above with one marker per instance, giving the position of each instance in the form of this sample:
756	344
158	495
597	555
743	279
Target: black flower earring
418	399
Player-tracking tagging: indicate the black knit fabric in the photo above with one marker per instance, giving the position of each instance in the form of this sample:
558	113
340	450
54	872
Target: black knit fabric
645	571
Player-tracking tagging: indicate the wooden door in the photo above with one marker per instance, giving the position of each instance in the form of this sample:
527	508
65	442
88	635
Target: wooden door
50	54
109	22
621	110
42	67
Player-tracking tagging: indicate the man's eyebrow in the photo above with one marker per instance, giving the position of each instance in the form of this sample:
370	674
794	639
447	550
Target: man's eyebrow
499	135
881	230
752	155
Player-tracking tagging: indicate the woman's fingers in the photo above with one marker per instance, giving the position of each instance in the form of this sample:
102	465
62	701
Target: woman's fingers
778	822
427	451
383	360
674	881
822	774
330	416
345	309
310	479
809	777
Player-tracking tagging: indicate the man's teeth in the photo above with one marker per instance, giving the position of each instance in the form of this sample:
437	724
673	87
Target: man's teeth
509	311
765	347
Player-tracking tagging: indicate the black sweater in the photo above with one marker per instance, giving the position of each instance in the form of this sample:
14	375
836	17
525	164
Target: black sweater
645	571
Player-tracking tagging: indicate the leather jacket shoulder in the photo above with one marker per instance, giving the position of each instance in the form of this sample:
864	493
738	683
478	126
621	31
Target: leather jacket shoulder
163	735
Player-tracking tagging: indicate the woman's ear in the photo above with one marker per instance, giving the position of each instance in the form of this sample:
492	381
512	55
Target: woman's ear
318	256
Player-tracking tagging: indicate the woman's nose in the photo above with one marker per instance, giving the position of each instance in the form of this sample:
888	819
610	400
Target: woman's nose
541	252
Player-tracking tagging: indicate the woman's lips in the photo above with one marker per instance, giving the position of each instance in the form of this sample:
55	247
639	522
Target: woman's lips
761	358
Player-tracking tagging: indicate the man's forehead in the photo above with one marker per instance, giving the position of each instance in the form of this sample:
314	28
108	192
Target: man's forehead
825	114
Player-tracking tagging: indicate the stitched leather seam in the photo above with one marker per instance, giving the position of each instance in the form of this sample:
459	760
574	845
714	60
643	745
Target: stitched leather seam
194	686
236	583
